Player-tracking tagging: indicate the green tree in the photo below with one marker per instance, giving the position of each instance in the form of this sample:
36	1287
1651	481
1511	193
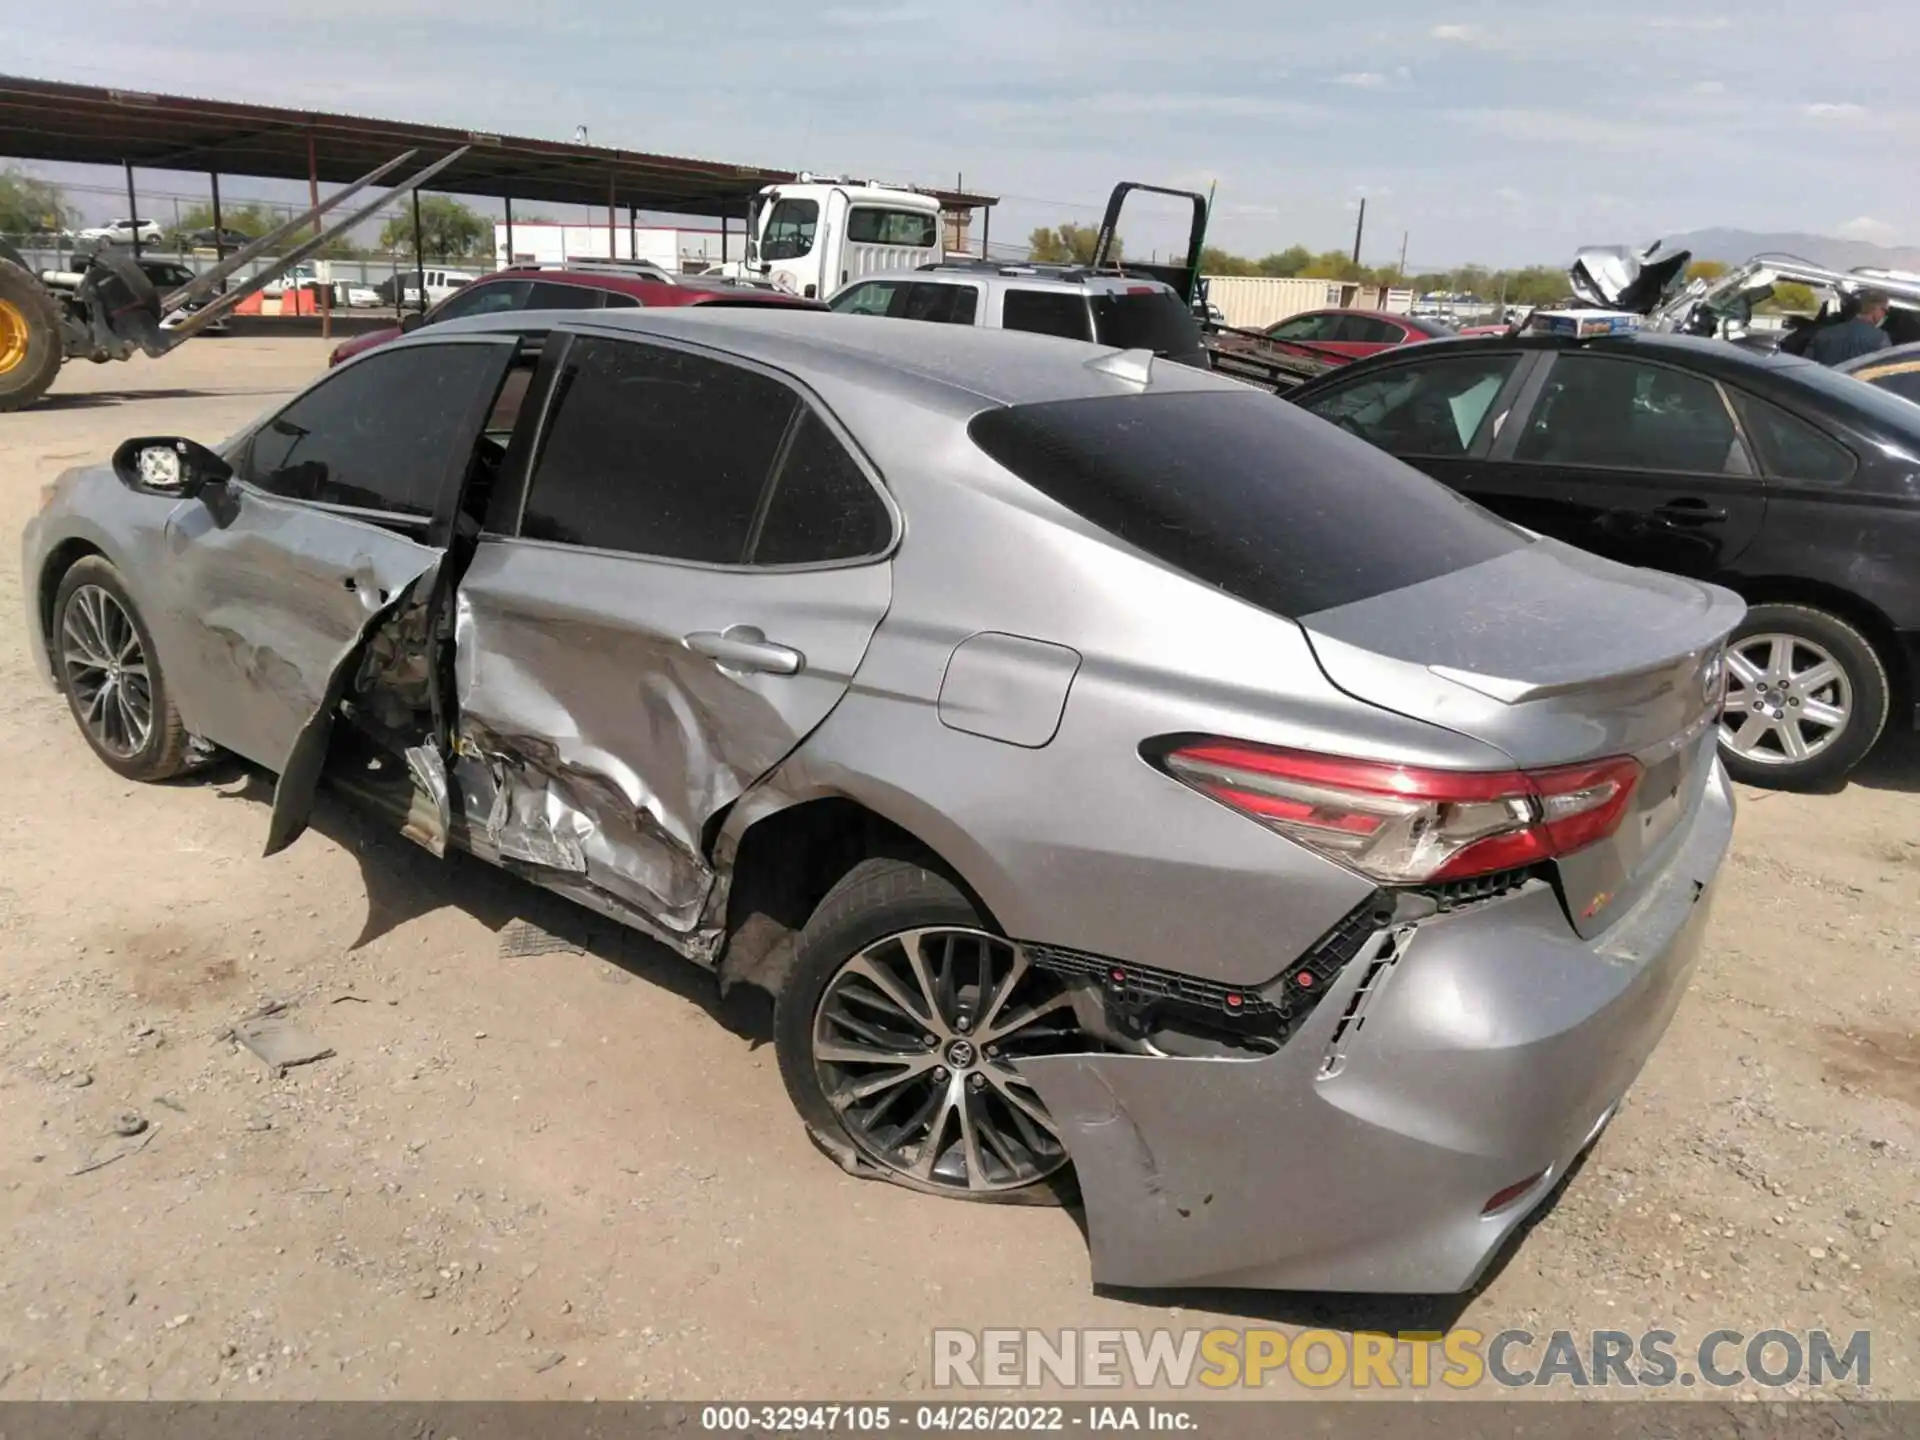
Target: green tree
1215	261
250	218
29	206
1067	244
1535	285
1290	261
1333	265
254	218
448	230
1790	298
1706	270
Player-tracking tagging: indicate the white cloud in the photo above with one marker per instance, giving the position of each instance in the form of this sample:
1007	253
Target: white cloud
1695	24
856	16
1362	79
1460	34
1566	128
1125	103
1865	227
1844	111
1708	87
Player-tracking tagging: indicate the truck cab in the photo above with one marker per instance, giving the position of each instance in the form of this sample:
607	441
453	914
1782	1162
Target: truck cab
813	236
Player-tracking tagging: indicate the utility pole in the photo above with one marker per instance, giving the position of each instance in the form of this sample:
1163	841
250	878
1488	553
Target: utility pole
1403	254
1359	229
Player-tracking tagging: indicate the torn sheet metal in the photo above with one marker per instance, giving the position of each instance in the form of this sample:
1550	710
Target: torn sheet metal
1362	1155
523	802
300	778
266	598
431	813
595	744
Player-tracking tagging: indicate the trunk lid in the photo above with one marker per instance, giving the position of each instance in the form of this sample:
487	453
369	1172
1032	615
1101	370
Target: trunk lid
1556	656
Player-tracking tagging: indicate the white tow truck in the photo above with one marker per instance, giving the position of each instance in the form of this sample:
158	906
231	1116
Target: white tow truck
813	235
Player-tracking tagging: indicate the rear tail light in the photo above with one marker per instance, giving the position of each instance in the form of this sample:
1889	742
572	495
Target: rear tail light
1407	824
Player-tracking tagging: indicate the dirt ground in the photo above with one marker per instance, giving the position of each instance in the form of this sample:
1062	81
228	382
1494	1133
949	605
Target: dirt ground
576	1174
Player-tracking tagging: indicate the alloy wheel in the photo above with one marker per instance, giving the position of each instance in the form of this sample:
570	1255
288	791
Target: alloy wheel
1788	699
106	671
15	336
914	1042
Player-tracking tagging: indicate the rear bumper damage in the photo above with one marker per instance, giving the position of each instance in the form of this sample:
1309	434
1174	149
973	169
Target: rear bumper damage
1451	1061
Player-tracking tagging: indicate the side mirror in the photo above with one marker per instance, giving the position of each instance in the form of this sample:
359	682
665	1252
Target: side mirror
168	466
412	321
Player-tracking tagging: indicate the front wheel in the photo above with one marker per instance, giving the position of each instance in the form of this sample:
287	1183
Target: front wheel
111	677
898	1032
1807	697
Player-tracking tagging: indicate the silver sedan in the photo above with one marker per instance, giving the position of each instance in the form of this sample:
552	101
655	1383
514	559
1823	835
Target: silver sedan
1115	773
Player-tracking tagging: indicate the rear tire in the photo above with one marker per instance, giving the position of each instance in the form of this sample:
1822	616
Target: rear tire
110	674
1807	698
939	1107
30	348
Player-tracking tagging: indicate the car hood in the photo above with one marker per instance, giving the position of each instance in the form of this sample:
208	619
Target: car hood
1618	277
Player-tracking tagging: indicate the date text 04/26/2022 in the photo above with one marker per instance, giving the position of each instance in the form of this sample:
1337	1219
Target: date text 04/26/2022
939	1418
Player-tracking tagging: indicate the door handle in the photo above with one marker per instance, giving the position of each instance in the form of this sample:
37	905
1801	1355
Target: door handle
746	648
1689	512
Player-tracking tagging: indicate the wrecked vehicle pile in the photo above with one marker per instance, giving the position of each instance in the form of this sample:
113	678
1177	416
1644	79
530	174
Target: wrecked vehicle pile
1102	788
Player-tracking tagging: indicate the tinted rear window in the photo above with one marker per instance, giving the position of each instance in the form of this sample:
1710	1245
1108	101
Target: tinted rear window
1245	492
1155	321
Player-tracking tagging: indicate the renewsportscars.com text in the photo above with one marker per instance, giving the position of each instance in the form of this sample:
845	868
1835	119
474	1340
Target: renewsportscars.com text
1411	1359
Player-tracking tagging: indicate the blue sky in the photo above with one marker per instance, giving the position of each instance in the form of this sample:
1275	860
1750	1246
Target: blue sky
1500	132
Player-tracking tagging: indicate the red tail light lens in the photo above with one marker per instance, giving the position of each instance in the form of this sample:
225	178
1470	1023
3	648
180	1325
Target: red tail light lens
1406	824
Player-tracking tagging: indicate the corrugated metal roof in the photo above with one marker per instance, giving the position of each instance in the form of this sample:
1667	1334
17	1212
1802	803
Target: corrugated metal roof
85	124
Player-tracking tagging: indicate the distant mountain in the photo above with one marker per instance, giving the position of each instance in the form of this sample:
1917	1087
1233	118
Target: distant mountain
1734	246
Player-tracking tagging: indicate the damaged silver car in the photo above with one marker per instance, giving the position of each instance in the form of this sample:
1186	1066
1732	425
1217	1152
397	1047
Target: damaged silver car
1114	772
1651	282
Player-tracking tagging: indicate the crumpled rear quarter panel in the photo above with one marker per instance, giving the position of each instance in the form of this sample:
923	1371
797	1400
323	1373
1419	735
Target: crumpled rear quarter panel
1494	1047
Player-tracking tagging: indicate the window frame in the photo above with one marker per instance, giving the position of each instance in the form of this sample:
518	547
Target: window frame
768	239
599	301
520	468
1505	449
435	316
1495	425
1762	471
1319	318
875	208
1006	292
434	529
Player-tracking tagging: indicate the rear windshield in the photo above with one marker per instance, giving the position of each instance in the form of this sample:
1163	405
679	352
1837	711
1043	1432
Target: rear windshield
1154	320
1246	492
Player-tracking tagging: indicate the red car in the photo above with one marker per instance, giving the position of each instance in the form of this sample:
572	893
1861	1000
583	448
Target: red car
584	289
1355	334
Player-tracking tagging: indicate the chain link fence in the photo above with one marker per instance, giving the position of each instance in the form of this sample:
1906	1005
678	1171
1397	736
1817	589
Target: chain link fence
364	281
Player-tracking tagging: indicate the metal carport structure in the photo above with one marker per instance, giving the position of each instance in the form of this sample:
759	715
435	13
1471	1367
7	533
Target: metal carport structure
84	124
